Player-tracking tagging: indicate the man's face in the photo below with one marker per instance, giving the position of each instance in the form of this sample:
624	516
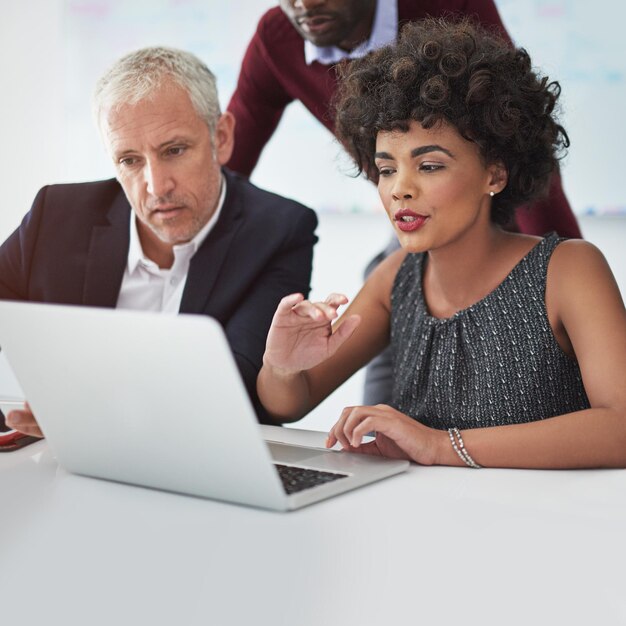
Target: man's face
341	23
168	165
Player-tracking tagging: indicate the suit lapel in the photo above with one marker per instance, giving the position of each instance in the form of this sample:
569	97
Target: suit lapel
108	256
207	262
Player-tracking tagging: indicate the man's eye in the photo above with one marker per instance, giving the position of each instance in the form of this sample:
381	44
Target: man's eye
176	150
128	161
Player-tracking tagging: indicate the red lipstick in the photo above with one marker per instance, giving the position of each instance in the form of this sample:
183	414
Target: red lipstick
408	221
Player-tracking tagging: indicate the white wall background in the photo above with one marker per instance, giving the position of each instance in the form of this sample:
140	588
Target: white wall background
52	51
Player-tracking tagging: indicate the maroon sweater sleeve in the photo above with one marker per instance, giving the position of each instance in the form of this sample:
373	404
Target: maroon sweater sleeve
273	74
258	101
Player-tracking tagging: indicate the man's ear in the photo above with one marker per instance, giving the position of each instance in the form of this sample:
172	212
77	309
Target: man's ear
224	137
498	177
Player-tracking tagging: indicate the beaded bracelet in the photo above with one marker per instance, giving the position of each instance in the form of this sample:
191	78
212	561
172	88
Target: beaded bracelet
460	448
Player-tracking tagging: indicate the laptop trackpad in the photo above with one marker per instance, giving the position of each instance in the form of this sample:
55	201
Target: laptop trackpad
288	453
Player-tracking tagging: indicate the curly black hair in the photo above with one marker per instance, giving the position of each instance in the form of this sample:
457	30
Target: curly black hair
457	72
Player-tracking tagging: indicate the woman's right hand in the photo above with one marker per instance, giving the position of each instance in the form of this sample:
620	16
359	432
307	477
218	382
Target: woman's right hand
301	335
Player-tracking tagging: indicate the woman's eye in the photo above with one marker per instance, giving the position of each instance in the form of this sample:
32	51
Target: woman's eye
430	167
385	171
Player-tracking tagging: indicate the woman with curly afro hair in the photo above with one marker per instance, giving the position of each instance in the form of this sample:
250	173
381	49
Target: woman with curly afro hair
509	350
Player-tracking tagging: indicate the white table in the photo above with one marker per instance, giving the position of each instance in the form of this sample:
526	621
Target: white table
433	546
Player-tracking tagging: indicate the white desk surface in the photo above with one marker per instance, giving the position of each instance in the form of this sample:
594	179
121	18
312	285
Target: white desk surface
432	546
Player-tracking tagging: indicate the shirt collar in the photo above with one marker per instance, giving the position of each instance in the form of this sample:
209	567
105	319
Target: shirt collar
384	31
136	257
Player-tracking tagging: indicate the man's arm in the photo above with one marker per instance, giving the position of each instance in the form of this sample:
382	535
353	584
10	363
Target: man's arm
257	104
16	253
288	271
15	262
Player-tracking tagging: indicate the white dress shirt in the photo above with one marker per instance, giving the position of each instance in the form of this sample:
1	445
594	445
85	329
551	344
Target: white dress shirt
384	31
147	287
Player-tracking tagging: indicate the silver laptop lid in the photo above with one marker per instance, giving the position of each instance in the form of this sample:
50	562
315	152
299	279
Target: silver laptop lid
142	398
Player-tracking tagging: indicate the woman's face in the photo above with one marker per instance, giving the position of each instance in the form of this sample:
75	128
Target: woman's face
434	185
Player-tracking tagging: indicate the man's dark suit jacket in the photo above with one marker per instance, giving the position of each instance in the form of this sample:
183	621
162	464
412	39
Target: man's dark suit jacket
72	248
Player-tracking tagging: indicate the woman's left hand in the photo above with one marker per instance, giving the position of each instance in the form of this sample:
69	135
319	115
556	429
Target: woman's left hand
397	435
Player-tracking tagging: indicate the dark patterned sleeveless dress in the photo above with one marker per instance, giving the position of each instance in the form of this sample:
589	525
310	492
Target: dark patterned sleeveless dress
494	363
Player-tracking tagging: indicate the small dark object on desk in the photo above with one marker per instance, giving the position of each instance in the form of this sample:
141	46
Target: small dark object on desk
14	440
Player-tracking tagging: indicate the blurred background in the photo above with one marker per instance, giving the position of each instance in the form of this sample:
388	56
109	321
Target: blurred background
53	51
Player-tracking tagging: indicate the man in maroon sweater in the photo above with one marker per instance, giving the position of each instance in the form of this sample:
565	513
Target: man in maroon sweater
294	55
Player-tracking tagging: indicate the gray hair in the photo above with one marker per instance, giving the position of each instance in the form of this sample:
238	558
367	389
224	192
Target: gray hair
138	75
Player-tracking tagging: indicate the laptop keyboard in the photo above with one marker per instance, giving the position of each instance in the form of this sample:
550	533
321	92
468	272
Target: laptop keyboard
299	478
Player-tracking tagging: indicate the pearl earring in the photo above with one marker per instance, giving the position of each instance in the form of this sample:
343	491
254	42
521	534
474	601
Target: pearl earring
492	193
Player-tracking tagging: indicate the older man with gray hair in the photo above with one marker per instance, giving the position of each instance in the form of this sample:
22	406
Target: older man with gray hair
174	231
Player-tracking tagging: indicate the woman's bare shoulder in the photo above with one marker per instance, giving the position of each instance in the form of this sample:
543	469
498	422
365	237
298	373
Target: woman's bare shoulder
577	260
579	276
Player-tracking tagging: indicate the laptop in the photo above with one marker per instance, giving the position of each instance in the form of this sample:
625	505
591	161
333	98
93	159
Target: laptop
157	400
